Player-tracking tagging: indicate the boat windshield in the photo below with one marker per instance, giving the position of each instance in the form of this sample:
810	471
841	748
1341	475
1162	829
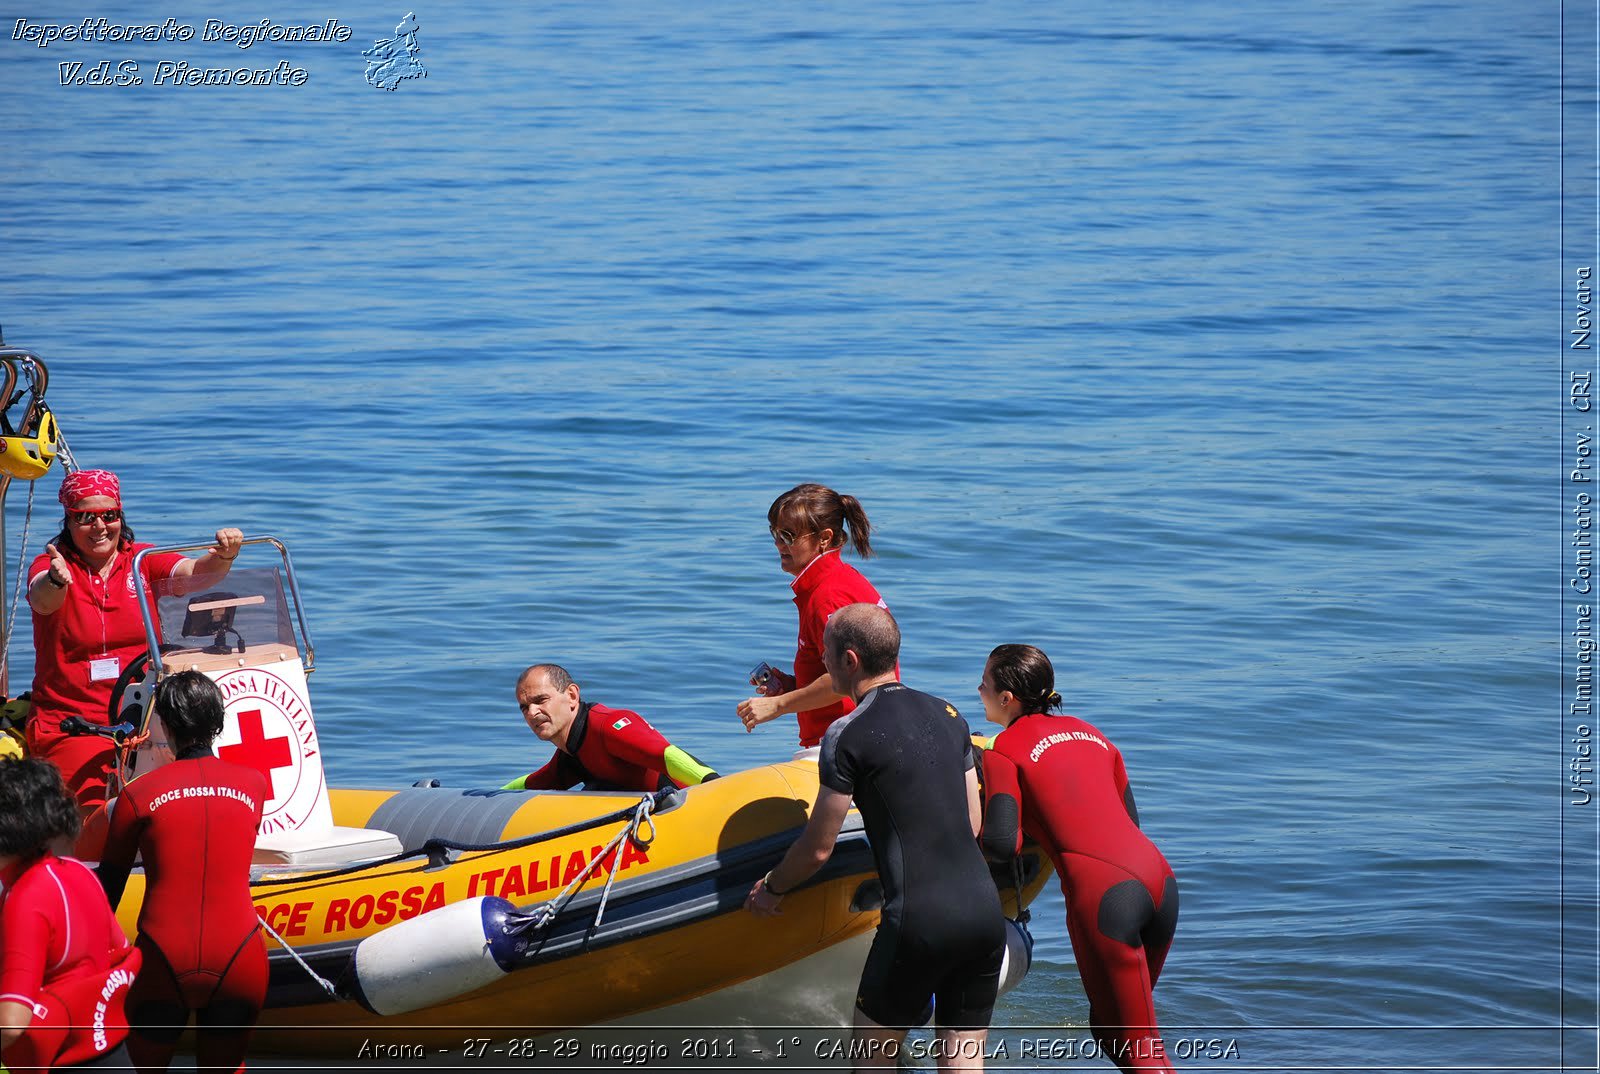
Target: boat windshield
245	610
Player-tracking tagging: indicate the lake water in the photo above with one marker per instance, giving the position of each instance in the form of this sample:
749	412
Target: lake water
1212	348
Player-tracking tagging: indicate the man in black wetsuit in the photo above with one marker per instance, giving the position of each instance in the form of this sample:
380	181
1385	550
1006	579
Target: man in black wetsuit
906	758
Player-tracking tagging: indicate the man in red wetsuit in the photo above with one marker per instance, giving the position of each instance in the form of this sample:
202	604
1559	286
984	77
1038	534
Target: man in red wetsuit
605	749
65	965
194	821
1059	780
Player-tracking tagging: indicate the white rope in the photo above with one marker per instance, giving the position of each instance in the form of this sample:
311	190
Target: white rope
327	985
550	910
22	560
67	461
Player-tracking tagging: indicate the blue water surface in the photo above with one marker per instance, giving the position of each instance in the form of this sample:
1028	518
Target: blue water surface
1195	344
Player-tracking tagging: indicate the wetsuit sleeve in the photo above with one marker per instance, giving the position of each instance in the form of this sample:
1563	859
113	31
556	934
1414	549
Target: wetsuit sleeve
685	769
1124	788
639	744
1002	806
836	768
122	843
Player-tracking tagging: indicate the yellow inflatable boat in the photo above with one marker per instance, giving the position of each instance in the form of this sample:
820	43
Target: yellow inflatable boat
439	909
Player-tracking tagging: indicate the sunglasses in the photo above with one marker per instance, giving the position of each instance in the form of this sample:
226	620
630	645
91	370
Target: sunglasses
86	518
785	538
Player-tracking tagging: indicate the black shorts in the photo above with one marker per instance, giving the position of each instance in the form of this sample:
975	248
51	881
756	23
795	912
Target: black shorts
957	970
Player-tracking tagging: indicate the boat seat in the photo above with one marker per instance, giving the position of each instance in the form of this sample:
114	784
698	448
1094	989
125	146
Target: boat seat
325	847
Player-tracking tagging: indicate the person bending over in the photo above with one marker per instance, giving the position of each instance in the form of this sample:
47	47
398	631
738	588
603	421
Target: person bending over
1060	781
603	748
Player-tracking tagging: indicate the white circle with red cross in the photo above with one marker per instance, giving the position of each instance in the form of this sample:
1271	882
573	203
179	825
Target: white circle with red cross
271	730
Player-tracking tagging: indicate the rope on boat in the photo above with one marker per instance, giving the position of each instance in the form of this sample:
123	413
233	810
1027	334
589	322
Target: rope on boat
63	452
327	985
22	560
440	848
542	918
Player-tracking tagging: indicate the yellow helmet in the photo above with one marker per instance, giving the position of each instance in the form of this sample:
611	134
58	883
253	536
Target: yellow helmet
28	458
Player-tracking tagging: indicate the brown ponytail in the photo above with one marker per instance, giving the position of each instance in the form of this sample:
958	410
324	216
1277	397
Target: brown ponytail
817	508
1026	671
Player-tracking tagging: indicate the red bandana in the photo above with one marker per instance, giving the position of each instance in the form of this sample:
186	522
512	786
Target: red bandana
85	483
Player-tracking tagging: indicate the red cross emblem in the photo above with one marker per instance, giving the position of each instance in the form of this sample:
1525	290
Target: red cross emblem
255	750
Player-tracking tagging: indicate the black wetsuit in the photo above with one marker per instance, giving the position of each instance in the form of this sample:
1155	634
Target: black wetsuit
903	755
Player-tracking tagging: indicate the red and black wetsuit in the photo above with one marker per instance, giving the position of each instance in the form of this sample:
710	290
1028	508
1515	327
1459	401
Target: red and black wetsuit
1071	789
63	955
194	821
613	750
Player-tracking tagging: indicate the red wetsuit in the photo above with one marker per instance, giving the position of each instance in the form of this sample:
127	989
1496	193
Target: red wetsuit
62	954
99	621
608	750
194	822
827	584
1122	899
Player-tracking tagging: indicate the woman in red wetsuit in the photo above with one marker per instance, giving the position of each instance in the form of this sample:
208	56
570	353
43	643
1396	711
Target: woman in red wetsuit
194	821
810	525
1060	781
86	622
65	965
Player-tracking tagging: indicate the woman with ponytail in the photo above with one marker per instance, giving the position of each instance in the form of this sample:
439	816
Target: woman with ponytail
1061	782
810	526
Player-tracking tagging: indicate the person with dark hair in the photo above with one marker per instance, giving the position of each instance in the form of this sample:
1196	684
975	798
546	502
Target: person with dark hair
65	965
598	746
906	759
86	622
1060	781
810	526
203	953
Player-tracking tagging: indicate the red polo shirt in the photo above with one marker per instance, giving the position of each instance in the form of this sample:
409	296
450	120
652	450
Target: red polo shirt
100	618
827	584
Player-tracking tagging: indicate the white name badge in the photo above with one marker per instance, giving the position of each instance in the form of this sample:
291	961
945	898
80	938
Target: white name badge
103	668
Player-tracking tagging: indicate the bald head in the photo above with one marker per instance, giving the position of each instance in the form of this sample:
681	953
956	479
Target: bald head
870	633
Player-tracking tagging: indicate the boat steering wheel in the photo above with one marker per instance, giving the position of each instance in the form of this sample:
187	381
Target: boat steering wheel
134	672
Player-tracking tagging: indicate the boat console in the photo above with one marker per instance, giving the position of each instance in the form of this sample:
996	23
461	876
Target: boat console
242	633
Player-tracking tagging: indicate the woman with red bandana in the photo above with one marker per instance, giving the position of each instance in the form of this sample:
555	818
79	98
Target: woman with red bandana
86	622
65	966
1059	780
810	524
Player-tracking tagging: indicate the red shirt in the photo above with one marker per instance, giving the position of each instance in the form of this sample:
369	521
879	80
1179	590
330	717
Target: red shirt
99	619
62	954
194	821
827	584
608	749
